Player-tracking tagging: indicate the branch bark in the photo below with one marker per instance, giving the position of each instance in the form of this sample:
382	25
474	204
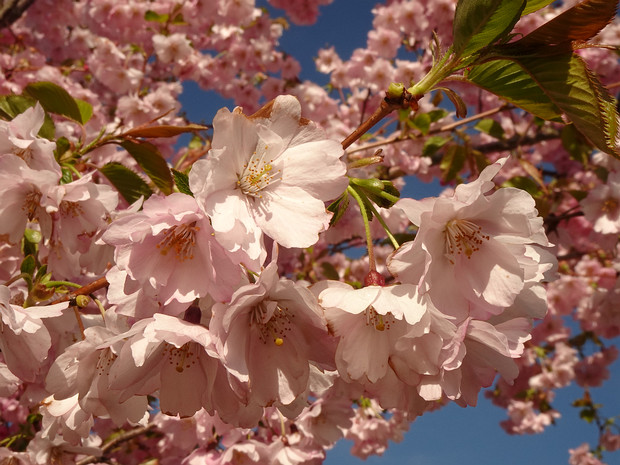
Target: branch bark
12	10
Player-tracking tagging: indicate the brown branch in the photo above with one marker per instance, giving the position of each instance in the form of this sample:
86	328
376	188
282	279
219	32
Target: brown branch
12	10
436	130
84	290
388	105
516	141
114	442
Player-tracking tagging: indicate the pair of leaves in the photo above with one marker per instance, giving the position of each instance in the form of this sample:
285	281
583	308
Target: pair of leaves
130	185
540	73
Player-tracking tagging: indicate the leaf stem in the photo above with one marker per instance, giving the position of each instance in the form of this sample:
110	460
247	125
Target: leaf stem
385	226
371	254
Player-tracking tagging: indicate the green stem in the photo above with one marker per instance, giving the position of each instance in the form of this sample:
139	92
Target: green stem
440	70
15	278
371	255
62	283
385	226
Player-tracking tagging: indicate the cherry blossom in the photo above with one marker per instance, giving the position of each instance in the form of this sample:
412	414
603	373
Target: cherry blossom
275	170
483	246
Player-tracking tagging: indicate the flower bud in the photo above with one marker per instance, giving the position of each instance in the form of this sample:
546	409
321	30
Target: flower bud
374	278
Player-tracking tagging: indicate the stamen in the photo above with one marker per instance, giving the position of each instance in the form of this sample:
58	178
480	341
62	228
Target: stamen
183	357
31	203
609	205
380	322
463	237
180	238
72	209
257	174
275	328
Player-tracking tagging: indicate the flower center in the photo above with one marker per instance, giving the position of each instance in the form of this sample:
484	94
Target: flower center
31	204
71	209
380	322
463	237
258	173
181	239
274	327
610	205
183	357
105	361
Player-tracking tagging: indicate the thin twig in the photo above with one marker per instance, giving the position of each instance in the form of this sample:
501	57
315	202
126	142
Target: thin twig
114	442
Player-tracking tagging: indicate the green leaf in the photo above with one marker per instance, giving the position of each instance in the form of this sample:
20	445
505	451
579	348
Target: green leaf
437	114
491	127
152	162
151	15
62	146
13	105
575	144
551	84
479	23
28	265
338	207
178	20
453	162
524	183
55	99
581	22
422	122
67	176
182	182
329	272
535	5
433	144
129	184
510	81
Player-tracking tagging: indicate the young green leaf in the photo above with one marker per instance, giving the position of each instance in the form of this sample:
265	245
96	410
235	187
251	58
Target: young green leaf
55	99
13	105
535	5
433	144
552	84
182	182
150	15
129	184
510	81
453	162
479	23
152	162
338	207
491	127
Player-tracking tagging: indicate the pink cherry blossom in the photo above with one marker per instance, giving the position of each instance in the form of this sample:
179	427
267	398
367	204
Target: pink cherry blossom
22	189
602	205
24	339
20	137
272	171
170	355
269	335
481	246
169	247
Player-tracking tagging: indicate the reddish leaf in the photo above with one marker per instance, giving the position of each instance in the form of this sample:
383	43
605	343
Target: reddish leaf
581	22
163	130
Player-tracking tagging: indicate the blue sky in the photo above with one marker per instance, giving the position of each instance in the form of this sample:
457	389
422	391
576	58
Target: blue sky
453	435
